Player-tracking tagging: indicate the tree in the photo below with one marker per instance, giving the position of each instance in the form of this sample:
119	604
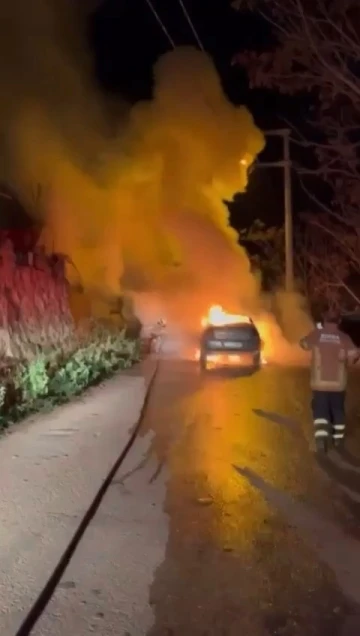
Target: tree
317	51
323	265
265	248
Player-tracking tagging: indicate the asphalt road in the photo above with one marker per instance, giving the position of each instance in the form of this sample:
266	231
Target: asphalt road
261	541
222	522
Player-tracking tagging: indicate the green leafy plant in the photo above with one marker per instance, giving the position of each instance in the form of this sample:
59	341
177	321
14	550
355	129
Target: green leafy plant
54	376
32	379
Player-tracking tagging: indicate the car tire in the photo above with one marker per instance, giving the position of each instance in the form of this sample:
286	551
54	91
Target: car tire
257	362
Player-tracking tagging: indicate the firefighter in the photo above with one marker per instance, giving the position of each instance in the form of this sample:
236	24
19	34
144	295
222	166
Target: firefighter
157	335
331	351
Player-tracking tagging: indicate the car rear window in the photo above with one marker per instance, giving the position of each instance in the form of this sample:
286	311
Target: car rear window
238	332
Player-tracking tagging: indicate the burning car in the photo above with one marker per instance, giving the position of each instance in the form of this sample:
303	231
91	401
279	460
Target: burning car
229	340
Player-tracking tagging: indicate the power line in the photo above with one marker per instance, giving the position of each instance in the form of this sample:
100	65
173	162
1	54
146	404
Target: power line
160	22
166	32
191	24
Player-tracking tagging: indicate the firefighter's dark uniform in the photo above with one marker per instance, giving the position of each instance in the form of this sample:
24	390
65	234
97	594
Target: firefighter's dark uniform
331	350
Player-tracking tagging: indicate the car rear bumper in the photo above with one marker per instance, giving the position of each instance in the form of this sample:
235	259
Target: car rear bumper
233	358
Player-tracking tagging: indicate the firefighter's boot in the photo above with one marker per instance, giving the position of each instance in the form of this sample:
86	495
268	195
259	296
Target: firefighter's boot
321	432
321	444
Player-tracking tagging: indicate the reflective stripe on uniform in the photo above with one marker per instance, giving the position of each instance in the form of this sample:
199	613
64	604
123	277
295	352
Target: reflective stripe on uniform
338	435
339	427
321	432
321	426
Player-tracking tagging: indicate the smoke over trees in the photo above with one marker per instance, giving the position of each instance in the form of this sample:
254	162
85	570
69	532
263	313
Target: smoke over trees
317	51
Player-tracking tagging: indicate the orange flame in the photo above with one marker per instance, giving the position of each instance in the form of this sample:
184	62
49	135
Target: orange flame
218	317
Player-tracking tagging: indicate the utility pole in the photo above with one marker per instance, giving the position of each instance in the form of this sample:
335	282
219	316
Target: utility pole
288	221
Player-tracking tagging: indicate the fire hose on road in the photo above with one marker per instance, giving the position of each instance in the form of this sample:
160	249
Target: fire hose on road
51	585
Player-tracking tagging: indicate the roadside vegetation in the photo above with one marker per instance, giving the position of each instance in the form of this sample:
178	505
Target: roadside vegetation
52	376
51	347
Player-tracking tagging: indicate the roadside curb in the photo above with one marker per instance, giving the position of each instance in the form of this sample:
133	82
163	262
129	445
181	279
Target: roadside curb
148	371
144	369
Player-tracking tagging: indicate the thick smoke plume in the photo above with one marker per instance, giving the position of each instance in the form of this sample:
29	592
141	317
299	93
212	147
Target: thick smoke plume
138	205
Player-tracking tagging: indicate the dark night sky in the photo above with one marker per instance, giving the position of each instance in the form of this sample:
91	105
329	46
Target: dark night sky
127	40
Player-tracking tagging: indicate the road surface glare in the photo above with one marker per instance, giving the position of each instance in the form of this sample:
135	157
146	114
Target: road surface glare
221	522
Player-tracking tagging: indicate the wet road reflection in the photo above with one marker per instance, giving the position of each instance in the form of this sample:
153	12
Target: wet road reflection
236	562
